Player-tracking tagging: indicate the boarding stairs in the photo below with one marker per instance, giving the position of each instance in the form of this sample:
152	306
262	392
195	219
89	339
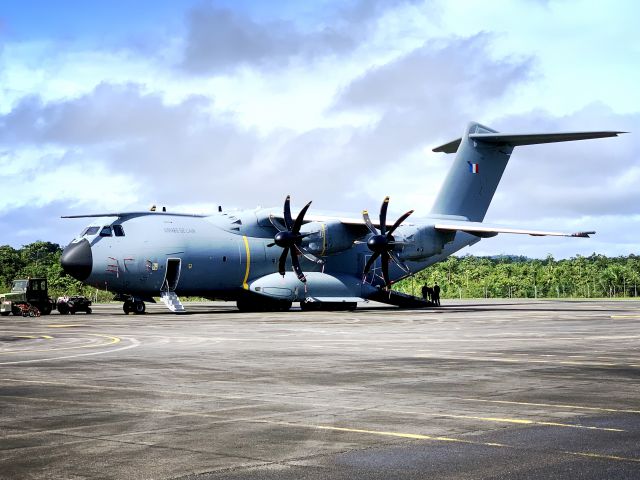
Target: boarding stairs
171	300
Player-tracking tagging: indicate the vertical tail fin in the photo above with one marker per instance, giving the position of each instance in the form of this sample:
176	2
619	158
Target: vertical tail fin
482	155
474	176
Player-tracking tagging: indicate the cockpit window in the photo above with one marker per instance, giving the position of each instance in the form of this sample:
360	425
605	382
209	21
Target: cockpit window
105	232
90	231
118	230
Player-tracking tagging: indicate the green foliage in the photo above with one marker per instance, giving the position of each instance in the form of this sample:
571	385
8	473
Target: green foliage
595	276
42	259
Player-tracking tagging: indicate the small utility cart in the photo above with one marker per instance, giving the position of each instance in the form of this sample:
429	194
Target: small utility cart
73	304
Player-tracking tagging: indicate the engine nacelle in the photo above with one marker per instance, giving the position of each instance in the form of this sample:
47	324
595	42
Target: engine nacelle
423	242
326	238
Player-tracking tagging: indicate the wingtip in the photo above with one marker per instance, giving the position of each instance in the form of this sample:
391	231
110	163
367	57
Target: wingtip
583	234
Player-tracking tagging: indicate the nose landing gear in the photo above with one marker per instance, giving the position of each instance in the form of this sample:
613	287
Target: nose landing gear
133	305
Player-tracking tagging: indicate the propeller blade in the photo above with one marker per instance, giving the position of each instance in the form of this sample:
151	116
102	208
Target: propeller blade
298	223
385	270
383	215
270	244
399	263
282	261
296	266
398	222
288	220
277	224
370	262
309	256
367	222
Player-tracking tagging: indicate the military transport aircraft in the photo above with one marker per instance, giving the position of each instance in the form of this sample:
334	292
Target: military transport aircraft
266	259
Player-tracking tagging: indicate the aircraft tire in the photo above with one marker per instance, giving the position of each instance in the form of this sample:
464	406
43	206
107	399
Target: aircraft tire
139	308
127	307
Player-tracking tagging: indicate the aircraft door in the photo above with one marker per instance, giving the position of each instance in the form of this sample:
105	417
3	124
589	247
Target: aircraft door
172	275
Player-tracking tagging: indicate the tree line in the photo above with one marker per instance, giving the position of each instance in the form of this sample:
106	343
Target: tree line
595	276
42	259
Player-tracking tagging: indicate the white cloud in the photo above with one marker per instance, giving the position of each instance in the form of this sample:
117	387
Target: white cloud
39	178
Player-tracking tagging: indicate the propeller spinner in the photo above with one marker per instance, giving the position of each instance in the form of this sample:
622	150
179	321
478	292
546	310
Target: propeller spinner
289	239
382	243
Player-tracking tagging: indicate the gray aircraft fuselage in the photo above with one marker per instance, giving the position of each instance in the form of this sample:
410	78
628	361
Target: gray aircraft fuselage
220	255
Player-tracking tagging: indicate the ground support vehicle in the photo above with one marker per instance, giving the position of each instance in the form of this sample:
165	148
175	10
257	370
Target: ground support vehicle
32	293
73	304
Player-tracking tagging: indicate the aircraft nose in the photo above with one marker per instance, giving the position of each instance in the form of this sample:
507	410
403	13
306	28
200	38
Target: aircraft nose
77	259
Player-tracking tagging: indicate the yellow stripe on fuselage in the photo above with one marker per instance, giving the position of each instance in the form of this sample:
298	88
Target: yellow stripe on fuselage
245	285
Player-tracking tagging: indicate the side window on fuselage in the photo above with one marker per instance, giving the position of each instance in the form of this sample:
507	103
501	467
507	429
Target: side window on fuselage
118	230
106	231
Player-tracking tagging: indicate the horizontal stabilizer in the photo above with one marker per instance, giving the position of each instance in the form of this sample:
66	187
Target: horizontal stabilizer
476	228
525	138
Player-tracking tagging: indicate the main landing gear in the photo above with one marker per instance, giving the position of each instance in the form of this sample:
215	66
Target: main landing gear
133	306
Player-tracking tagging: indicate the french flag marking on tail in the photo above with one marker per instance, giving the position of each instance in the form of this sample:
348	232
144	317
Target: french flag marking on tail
474	167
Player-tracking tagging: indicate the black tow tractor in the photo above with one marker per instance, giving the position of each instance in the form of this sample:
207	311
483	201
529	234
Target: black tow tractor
73	305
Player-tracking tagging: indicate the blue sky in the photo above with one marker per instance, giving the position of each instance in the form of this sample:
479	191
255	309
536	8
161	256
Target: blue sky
119	105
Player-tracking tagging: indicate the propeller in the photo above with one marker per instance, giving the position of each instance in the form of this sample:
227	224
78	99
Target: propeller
289	239
382	243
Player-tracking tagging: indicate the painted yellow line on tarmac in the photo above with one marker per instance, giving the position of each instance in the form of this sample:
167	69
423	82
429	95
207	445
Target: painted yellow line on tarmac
45	337
522	421
413	436
55	325
603	457
112	340
527	360
323	405
625	316
553	405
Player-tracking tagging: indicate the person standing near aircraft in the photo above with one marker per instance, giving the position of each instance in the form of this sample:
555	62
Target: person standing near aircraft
427	292
436	294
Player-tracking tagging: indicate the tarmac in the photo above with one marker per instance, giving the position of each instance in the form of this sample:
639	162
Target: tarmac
511	389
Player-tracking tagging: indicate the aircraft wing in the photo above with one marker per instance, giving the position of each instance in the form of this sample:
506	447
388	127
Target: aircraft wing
132	214
483	230
475	228
355	221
